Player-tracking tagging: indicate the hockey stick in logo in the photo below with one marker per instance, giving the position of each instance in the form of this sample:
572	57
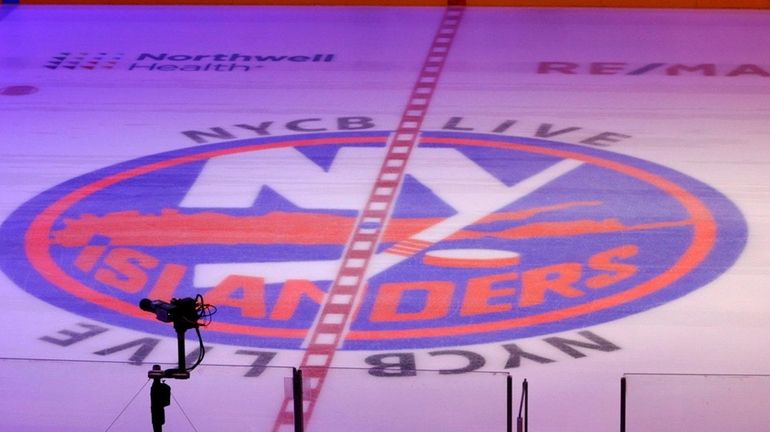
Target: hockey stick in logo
449	226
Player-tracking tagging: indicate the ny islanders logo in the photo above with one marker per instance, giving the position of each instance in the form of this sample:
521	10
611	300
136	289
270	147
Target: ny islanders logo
465	238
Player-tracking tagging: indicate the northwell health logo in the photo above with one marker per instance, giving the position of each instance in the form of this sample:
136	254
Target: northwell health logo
81	60
169	62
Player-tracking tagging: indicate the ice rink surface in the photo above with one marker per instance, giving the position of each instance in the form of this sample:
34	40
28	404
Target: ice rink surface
418	198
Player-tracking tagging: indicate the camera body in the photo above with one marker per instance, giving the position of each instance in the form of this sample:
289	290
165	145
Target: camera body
183	313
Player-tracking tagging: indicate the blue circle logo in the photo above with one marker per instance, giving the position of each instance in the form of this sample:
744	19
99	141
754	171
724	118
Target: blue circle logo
487	238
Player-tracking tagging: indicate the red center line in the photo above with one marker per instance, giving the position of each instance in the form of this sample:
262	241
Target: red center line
335	314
